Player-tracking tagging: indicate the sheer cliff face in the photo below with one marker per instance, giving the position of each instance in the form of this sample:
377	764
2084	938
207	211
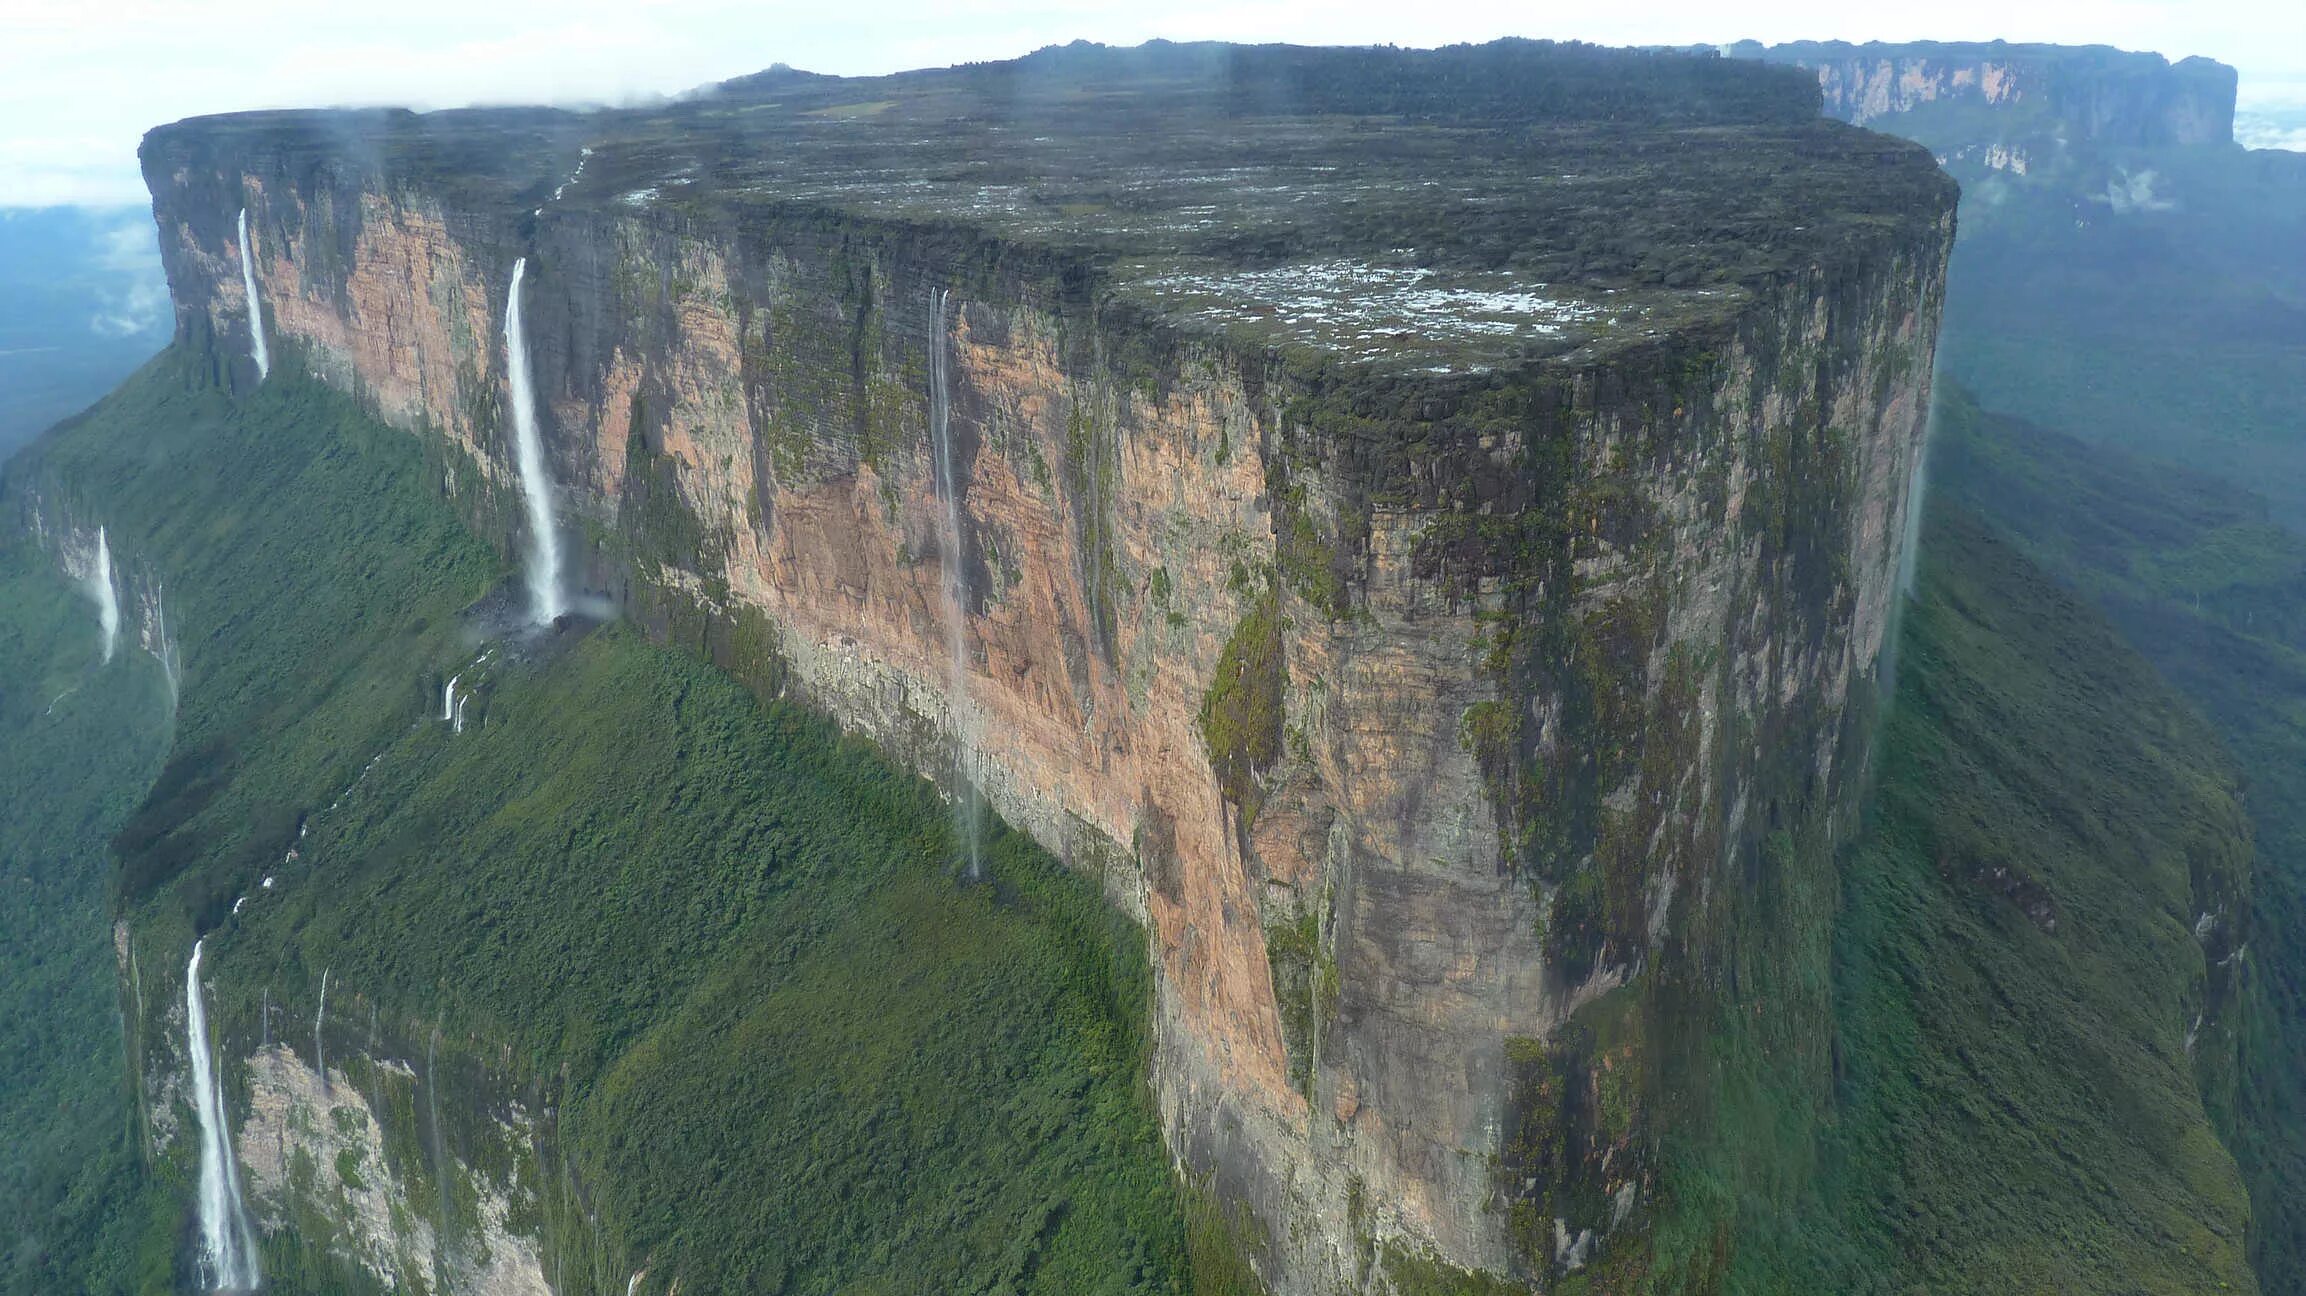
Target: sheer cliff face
2091	94
1414	708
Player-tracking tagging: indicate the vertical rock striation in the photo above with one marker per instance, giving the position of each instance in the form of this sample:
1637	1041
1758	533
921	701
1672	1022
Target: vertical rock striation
2091	95
1413	566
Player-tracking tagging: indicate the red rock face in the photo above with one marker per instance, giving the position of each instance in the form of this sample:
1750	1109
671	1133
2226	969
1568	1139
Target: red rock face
1120	526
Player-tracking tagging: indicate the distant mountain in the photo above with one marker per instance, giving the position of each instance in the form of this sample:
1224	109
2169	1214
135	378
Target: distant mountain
2126	271
2084	94
82	303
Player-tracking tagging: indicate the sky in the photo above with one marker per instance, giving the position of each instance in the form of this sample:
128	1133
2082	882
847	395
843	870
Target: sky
81	80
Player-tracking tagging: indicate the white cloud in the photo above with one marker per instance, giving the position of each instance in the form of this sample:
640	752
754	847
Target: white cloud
2134	192
80	82
130	247
2281	128
126	312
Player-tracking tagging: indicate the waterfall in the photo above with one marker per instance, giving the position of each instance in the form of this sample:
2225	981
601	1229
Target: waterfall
227	1246
545	602
106	594
319	1019
152	635
452	704
965	807
1917	489
255	307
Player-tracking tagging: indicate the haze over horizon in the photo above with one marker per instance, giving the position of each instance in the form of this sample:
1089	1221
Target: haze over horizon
156	62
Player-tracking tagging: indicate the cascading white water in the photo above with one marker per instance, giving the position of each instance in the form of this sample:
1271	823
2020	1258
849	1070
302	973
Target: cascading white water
106	594
152	635
583	156
320	1020
228	1247
545	601
965	807
453	703
255	306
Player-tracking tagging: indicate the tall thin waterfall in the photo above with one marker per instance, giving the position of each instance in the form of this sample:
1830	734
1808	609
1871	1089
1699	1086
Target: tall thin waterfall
162	646
544	592
228	1247
106	593
255	306
320	1021
966	811
452	706
1917	491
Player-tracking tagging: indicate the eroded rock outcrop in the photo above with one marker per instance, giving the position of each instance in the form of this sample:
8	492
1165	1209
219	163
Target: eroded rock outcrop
1412	563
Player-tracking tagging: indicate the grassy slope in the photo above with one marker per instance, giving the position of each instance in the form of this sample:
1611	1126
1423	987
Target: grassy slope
2172	331
1920	1086
2194	573
784	1042
799	1053
2016	956
79	740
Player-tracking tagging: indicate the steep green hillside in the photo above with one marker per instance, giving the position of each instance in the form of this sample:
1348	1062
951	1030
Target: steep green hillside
2199	577
785	1050
79	741
2018	967
797	1052
1999	974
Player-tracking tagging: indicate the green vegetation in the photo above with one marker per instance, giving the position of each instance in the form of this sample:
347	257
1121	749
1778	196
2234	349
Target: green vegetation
1305	987
1241	714
786	1049
1981	1081
79	741
2195	573
1308	558
2149	297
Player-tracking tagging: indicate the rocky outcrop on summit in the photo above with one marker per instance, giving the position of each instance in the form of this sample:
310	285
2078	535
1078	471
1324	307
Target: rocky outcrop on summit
1416	546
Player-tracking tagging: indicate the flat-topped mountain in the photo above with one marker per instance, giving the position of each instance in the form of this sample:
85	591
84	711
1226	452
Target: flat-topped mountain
1416	527
1445	208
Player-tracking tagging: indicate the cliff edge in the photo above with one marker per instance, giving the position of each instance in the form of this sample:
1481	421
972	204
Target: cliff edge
1426	525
